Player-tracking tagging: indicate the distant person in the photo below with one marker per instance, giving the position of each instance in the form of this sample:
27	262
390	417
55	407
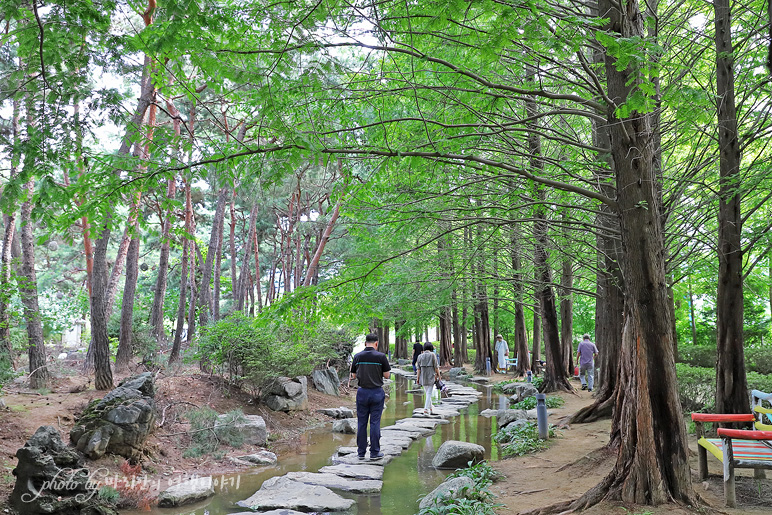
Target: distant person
418	348
502	352
429	371
585	355
370	367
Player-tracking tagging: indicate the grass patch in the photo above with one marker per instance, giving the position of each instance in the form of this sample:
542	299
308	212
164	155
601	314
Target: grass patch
522	439
530	403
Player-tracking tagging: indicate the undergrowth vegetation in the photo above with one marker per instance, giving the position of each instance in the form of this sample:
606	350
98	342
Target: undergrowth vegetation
209	431
474	500
530	403
521	439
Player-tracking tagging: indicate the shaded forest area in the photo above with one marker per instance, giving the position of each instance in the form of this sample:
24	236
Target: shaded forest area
248	185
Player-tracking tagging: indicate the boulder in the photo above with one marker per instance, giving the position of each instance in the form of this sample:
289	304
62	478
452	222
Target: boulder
453	454
402	362
284	493
188	492
286	394
346	426
250	427
523	390
507	416
509	388
489	413
326	381
341	412
456	373
260	458
118	423
51	478
454	488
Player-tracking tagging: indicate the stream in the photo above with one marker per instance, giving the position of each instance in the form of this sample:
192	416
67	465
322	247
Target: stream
407	478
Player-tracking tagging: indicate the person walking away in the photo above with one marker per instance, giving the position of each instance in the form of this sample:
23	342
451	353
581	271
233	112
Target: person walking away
502	352
585	355
428	372
418	348
370	368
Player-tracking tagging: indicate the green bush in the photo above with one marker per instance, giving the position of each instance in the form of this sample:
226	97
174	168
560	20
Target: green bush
522	439
697	355
248	354
759	360
530	403
208	433
697	386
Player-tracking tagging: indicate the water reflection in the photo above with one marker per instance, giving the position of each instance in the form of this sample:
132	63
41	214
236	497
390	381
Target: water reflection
406	479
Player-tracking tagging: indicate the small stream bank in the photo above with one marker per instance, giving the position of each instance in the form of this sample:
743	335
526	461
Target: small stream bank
407	478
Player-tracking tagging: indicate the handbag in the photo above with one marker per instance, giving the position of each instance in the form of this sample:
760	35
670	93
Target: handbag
439	384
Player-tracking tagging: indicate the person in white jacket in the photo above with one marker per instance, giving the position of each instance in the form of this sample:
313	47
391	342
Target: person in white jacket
428	372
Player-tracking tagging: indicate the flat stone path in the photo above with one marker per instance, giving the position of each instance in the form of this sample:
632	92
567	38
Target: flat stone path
309	491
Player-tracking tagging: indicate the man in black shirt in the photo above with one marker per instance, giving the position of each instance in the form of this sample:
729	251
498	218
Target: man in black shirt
418	348
370	367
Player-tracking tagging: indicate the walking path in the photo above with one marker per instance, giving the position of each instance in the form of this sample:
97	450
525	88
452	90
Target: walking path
313	491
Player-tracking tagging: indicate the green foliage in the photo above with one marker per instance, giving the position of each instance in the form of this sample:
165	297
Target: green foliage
538	382
530	402
247	352
522	439
208	432
109	494
759	360
475	500
698	355
499	387
6	370
697	386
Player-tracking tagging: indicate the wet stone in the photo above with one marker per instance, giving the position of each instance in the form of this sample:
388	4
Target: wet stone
283	492
360	471
335	482
352	459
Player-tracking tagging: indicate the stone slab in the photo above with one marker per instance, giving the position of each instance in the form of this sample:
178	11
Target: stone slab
358	471
392	450
335	482
352	459
284	493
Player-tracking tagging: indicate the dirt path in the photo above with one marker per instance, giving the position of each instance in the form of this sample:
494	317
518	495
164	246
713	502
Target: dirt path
578	460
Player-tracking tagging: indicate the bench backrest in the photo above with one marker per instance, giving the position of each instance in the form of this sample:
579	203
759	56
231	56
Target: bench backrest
762	408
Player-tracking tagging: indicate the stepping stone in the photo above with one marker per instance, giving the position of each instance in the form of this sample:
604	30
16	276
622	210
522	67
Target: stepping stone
407	428
395	440
425	422
392	450
439	412
283	493
489	413
334	482
421	391
413	435
272	512
188	492
353	459
480	380
355	471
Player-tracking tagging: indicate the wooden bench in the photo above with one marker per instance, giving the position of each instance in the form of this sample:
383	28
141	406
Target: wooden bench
737	448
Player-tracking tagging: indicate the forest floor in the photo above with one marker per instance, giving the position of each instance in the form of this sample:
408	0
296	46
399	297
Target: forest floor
575	462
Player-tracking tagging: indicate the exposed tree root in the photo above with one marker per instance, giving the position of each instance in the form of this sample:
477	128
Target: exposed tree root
601	408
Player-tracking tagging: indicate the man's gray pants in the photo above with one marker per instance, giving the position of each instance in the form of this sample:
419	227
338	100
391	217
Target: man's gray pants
588	369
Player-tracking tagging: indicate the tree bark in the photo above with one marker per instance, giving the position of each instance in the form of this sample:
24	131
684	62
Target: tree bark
218	273
125	342
243	280
731	385
446	345
536	343
9	235
175	352
205	292
232	241
159	292
521	338
28	290
566	315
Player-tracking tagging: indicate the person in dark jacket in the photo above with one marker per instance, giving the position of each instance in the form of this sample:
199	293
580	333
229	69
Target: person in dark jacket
370	368
418	348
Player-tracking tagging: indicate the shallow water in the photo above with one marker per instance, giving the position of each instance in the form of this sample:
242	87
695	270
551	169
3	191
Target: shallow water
407	478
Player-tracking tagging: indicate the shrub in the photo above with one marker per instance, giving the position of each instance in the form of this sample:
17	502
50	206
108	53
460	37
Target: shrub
697	355
530	403
522	439
538	382
759	360
697	387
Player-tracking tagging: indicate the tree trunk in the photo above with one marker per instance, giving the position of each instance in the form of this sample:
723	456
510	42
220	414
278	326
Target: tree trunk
256	245
193	268
28	290
218	272
446	345
175	353
566	315
521	338
159	292
232	241
692	318
9	235
536	343
731	385
125	343
243	280
205	293
649	469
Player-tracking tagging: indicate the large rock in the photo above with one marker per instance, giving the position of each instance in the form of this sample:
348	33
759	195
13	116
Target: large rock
509	388
188	492
356	471
346	426
507	416
523	390
453	454
454	488
284	493
457	373
326	381
51	479
250	427
118	423
260	458
341	412
285	394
